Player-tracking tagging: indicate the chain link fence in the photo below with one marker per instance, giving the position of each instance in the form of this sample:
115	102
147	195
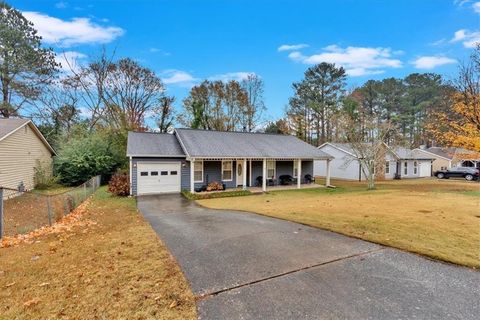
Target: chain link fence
24	211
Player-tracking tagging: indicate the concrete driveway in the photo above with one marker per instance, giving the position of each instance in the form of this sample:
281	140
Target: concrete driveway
246	266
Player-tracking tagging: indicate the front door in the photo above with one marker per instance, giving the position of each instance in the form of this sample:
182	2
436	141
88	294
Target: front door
239	173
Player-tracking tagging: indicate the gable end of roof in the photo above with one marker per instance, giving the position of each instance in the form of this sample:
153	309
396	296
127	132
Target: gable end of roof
22	123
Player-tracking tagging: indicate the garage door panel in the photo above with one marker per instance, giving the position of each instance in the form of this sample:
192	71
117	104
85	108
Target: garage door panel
158	177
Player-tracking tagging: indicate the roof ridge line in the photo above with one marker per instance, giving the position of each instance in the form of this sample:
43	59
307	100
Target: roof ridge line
245	132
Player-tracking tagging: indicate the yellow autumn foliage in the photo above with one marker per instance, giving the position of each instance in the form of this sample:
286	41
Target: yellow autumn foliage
460	128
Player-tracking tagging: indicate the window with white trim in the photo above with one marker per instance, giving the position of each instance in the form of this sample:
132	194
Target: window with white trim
227	170
271	169
415	167
198	171
405	168
387	167
295	168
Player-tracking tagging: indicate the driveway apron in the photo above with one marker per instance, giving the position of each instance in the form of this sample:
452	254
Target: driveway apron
246	266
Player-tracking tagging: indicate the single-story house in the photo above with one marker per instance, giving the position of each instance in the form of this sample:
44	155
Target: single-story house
445	158
400	162
190	159
22	149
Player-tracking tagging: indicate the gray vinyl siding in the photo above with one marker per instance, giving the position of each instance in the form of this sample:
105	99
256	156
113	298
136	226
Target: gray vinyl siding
307	168
212	171
159	160
283	167
256	171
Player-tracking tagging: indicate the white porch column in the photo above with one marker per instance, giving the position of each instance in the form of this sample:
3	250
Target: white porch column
244	174
250	178
264	175
299	173
192	176
327	176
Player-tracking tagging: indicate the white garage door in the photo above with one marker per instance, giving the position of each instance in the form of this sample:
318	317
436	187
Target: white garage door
158	177
425	169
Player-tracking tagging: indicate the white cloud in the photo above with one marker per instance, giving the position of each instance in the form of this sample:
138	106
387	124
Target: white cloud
157	50
177	77
459	35
70	61
438	42
468	39
238	76
290	47
476	7
76	31
61	5
430	62
461	2
357	61
296	56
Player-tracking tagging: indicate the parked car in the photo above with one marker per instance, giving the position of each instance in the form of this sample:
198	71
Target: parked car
467	173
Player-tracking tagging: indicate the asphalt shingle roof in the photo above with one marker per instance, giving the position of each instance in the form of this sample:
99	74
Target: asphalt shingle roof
442	152
207	143
451	153
153	144
9	125
218	144
408	154
400	152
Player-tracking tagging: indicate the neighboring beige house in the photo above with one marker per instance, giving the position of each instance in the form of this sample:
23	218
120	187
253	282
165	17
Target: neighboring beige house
22	149
446	158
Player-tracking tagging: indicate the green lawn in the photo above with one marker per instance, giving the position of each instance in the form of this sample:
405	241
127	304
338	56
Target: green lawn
436	218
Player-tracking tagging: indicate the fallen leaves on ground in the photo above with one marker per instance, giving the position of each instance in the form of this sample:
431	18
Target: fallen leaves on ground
31	302
64	225
117	269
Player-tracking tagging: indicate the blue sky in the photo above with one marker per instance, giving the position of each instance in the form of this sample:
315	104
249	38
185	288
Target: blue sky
187	41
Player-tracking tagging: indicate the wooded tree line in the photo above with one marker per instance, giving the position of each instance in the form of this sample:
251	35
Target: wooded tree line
224	106
321	99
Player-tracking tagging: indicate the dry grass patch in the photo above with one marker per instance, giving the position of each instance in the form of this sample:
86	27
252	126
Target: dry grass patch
440	219
114	269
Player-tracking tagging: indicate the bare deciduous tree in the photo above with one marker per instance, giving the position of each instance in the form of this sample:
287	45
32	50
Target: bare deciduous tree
87	86
255	106
130	93
165	114
214	106
369	149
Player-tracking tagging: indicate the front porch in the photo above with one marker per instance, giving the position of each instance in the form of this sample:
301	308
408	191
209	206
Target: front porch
287	187
255	174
